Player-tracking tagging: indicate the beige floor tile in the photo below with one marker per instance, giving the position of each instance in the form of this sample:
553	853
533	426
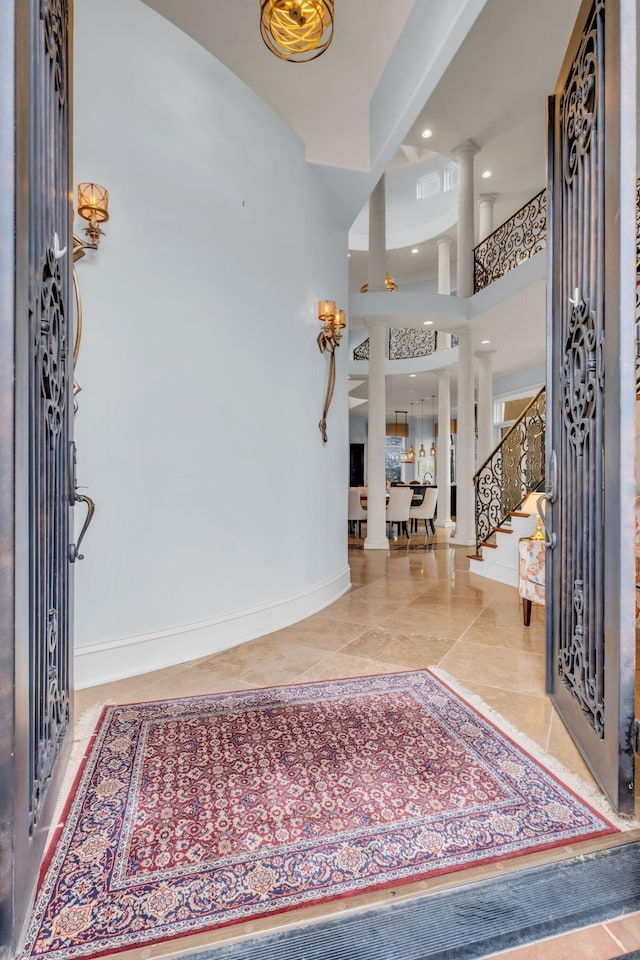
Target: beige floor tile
324	630
341	665
525	713
414	651
626	930
590	943
492	665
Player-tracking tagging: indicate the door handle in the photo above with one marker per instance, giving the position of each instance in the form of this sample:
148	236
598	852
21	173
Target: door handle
549	495
75	497
74	548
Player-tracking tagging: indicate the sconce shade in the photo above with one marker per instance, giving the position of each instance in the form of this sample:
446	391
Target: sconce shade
340	320
93	202
422	452
326	311
296	30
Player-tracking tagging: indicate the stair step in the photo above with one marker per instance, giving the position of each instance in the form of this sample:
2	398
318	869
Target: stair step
502	530
492	546
475	556
517	513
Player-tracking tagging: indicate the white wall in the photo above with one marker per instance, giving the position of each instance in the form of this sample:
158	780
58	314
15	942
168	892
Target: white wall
220	513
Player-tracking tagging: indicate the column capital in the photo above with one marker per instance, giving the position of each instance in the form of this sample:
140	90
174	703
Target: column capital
444	376
487	197
484	354
468	147
444	241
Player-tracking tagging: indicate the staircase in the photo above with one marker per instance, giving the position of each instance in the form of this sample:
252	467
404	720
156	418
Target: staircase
498	557
502	484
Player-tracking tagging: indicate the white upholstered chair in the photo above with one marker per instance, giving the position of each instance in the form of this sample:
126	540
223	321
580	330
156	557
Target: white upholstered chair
398	507
357	515
426	510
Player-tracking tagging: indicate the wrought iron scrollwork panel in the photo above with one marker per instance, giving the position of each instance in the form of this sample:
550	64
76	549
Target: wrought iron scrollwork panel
514	468
405	343
516	240
579	655
50	484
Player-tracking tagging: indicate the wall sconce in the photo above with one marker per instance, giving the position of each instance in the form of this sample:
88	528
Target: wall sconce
93	205
333	323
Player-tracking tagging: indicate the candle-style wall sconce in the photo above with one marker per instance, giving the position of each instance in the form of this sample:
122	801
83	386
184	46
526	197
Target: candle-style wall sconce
333	323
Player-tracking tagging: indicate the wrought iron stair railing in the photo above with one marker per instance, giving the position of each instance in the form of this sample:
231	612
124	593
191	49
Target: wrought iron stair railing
514	241
514	469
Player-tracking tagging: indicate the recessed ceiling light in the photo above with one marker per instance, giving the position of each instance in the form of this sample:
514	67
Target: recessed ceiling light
411	375
349	256
427	323
415	250
485	341
426	133
486	174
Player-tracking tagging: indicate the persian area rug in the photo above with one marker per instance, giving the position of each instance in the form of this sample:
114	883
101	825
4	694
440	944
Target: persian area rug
194	813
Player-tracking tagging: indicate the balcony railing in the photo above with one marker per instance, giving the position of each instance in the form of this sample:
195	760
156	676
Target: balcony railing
404	343
515	241
512	471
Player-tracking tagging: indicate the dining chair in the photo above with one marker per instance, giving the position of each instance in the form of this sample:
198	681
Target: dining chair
398	508
357	514
426	510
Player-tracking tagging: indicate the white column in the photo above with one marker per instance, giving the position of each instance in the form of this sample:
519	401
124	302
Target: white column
485	406
377	258
376	538
465	460
464	155
486	202
444	450
444	286
444	265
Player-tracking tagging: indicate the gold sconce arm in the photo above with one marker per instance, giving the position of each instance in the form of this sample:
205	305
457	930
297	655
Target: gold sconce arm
333	323
93	206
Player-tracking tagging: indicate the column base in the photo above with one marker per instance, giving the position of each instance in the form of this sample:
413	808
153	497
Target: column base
376	543
445	523
462	541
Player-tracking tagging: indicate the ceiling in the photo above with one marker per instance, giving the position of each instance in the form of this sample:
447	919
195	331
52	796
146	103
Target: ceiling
493	91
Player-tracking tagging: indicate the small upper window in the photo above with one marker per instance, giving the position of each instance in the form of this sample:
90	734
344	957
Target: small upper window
450	176
427	186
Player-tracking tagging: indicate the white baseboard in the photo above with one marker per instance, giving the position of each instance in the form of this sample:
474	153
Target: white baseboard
130	656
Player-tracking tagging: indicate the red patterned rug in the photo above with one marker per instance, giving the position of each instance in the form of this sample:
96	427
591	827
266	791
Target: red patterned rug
194	813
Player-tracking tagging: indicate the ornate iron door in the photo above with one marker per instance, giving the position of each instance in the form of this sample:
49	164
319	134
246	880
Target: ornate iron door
35	441
591	394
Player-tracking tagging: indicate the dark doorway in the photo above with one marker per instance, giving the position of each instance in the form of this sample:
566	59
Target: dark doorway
356	465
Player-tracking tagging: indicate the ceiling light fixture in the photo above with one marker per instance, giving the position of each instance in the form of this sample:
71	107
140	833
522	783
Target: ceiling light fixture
415	250
486	174
389	283
411	455
485	341
296	30
427	323
433	451
427	133
421	452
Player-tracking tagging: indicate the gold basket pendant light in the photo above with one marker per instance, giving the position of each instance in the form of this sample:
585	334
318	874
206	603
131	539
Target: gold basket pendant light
296	30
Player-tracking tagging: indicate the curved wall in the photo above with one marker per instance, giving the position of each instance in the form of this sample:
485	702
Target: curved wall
220	513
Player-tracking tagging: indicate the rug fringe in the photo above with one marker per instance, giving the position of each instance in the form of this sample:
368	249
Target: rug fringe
83	730
589	792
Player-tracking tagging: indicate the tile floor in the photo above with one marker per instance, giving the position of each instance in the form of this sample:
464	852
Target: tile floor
411	608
